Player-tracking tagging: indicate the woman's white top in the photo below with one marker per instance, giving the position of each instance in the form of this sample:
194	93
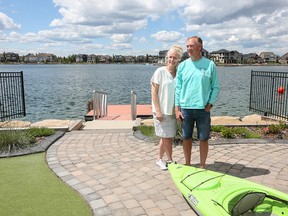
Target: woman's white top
166	92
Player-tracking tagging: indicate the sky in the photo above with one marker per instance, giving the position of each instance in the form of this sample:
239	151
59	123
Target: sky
140	27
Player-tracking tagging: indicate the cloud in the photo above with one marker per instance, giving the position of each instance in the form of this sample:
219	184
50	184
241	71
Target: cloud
165	36
211	12
6	23
143	40
118	46
245	26
117	21
97	13
121	38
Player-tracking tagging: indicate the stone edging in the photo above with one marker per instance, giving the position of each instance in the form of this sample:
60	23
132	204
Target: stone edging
41	147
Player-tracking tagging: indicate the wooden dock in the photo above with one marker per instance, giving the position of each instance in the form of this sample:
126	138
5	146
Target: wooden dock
123	112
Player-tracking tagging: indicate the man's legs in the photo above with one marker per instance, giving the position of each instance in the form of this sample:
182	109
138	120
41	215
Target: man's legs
203	124
187	148
187	133
203	153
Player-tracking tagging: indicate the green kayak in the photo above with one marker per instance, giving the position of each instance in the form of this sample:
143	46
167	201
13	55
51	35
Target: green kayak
217	194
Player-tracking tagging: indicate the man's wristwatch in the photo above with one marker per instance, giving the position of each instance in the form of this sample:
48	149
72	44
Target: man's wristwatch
210	104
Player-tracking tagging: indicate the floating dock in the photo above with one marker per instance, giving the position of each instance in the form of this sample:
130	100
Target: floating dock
122	112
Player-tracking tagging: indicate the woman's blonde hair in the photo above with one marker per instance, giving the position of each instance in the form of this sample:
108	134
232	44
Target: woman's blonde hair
175	48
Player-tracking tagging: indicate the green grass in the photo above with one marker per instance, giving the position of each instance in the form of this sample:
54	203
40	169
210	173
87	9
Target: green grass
147	130
28	187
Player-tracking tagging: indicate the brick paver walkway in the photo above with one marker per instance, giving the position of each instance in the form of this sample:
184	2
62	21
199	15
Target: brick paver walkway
117	175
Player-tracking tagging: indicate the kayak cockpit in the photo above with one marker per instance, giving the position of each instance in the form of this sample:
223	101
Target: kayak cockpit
248	203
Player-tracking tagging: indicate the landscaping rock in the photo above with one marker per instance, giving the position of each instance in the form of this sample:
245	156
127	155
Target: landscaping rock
15	124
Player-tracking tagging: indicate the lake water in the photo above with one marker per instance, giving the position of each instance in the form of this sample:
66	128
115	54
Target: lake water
62	91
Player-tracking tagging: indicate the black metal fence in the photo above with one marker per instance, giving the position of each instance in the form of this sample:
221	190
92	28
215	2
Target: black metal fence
268	94
12	100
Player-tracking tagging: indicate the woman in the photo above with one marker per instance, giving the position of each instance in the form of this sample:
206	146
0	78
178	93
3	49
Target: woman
162	92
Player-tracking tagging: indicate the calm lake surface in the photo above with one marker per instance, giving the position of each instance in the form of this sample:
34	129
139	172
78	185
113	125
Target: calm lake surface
62	91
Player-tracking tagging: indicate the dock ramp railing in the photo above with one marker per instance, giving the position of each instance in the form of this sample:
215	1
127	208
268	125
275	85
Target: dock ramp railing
133	105
99	104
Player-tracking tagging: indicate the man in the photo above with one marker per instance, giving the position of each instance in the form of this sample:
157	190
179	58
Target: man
197	88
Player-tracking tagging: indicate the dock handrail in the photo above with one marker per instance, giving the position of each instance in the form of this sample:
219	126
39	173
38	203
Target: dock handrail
99	104
133	105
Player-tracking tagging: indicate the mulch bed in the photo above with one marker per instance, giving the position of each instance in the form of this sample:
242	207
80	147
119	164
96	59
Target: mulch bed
283	134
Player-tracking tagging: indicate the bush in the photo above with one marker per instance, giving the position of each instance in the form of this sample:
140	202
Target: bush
245	133
228	133
11	140
276	128
217	128
252	135
40	132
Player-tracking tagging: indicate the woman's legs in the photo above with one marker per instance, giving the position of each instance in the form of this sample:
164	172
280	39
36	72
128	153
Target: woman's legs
161	150
167	146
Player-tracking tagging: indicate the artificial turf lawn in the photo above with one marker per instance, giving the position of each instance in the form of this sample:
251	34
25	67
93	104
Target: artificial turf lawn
29	187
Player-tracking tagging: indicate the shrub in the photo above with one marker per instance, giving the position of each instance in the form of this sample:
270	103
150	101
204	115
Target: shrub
14	139
240	130
228	133
276	128
252	135
217	128
246	133
40	132
11	140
